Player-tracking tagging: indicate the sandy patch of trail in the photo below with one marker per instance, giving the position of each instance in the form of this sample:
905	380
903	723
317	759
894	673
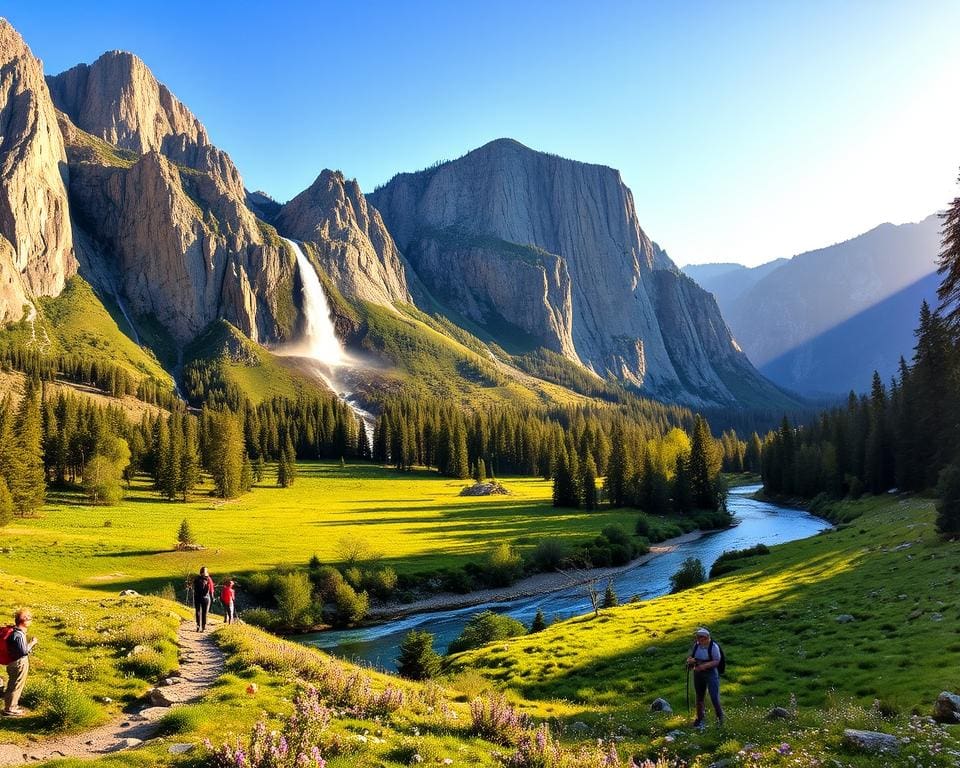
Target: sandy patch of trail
201	663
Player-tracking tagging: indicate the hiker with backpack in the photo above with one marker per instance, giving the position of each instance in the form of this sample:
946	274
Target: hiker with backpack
15	655
202	597
707	662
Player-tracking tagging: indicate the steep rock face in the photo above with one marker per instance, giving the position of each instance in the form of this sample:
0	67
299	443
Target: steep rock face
36	242
584	215
354	246
118	99
184	250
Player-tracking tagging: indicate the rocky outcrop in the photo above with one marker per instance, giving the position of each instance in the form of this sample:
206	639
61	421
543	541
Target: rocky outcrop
118	99
183	249
36	242
353	245
629	315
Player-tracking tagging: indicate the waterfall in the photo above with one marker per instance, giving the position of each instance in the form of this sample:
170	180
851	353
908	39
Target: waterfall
319	338
320	343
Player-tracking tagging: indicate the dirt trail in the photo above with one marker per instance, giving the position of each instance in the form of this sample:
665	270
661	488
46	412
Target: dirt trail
201	663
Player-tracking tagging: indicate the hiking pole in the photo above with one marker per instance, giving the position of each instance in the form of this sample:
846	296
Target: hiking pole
688	688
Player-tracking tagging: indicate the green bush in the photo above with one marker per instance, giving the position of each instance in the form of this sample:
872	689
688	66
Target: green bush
504	566
381	582
417	659
483	628
350	606
147	664
64	707
690	574
182	720
725	563
549	554
294	600
326	578
260	617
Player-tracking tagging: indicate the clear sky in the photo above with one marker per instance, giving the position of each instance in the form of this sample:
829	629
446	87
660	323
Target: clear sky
746	130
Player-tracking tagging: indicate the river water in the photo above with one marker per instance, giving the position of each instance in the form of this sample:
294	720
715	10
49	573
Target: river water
758	522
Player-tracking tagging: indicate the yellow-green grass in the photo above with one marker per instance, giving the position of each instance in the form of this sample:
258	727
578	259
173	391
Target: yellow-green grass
86	651
777	617
82	324
415	520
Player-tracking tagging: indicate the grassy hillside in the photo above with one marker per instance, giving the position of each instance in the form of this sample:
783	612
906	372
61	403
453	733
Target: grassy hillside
79	322
415	520
84	670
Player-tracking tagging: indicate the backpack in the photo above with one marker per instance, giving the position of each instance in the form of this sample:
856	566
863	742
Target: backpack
722	666
6	652
201	586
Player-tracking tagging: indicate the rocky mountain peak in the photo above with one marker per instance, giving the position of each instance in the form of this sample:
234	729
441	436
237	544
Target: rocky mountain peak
36	241
352	241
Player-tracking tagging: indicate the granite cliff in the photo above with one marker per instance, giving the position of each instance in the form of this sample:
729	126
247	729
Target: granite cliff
508	236
36	240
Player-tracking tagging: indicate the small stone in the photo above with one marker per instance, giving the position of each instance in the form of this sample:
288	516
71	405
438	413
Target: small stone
936	617
158	698
902	597
179	749
915	614
152	713
845	618
871	741
779	713
947	708
128	743
661	705
580	727
652	650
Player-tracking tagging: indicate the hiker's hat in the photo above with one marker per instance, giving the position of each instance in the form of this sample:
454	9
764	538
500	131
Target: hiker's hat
702	632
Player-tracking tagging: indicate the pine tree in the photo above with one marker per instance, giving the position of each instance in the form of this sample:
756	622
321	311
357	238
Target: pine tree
704	466
588	483
459	461
227	452
185	535
949	289
539	623
682	494
27	483
610	597
190	458
619	469
6	503
481	471
948	507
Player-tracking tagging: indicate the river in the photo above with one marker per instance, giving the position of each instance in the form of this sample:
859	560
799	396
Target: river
758	522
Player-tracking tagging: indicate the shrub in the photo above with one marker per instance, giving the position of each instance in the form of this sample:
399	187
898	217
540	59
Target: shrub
417	659
642	528
354	576
182	720
146	663
948	508
260	617
294	600
259	585
549	554
616	534
724	563
610	597
167	592
483	628
504	566
495	720
64	707
690	574
350	606
380	582
327	579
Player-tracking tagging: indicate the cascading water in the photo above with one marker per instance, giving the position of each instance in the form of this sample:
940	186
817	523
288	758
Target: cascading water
319	336
320	342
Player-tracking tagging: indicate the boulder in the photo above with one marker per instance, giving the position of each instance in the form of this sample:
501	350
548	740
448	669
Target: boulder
779	713
580	728
489	488
871	741
661	705
845	618
179	749
129	593
158	698
151	713
946	709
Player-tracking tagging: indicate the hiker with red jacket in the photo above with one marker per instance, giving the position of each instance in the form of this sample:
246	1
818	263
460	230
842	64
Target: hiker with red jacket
227	597
202	597
15	654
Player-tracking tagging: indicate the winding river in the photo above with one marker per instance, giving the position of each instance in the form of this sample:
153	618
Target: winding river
758	522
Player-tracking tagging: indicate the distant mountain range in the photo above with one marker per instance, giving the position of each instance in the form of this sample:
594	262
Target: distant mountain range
822	322
505	255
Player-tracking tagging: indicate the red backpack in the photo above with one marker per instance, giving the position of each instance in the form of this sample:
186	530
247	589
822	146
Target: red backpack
6	654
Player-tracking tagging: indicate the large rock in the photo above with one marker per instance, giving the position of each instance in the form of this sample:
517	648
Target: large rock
550	251
350	238
946	709
871	741
36	241
661	705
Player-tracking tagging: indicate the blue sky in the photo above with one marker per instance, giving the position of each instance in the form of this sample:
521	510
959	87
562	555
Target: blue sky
747	131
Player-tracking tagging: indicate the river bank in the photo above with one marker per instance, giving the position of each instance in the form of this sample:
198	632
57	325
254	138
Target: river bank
532	586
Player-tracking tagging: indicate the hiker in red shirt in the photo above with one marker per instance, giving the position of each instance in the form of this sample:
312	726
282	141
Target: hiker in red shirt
227	597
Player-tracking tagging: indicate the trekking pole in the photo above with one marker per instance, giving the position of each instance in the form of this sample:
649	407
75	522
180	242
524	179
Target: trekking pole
688	688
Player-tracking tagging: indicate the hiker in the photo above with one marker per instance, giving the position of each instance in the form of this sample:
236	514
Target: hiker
16	654
202	597
227	597
704	659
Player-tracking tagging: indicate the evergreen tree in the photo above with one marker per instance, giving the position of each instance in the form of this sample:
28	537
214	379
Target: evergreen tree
418	660
539	623
6	503
459	461
588	483
190	458
27	482
948	506
949	289
619	469
227	451
481	471
682	492
610	597
185	535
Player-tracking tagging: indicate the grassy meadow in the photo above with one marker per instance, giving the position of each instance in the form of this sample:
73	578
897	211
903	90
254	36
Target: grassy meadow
415	521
